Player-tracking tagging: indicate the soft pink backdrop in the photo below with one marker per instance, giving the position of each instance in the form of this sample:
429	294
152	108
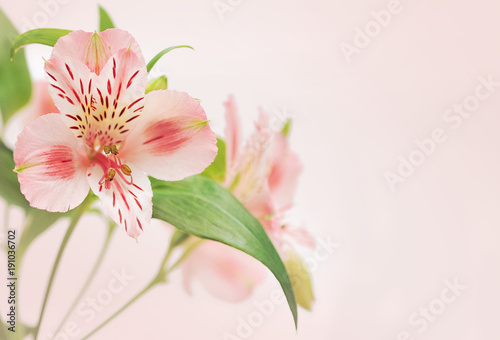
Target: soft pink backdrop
352	122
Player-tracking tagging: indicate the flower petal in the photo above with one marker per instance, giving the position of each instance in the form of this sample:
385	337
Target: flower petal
172	139
42	102
249	181
69	81
129	205
50	165
232	132
285	170
94	49
301	236
119	97
99	107
225	272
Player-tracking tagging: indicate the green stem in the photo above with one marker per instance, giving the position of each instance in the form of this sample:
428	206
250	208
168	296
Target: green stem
6	220
161	277
111	228
21	329
141	293
186	253
3	329
176	240
74	221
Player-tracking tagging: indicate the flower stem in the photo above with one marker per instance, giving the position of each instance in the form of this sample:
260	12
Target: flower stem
187	252
75	217
161	277
3	330
6	217
141	293
100	258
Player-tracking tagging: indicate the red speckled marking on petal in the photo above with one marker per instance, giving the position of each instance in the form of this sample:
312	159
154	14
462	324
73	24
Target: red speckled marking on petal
131	78
70	72
58	162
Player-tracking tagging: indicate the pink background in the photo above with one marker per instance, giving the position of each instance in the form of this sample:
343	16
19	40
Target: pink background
353	120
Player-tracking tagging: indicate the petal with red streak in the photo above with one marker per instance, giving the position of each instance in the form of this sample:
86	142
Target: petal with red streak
118	94
69	82
129	205
50	165
172	139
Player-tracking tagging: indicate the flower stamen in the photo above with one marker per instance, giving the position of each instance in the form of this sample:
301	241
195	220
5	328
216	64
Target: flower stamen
109	178
126	170
111	149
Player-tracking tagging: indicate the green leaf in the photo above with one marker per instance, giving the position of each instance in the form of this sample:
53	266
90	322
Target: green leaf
200	206
301	280
162	53
3	330
44	36
105	21
217	170
10	189
15	81
38	222
178	238
159	83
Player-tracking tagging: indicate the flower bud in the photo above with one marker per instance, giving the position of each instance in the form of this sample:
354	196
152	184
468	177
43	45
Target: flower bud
301	280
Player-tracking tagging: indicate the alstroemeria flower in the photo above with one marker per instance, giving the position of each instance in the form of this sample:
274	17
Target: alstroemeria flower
225	272
263	177
109	134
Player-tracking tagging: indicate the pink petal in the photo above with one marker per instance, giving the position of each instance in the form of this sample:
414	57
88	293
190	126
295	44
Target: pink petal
94	49
101	107
69	81
302	236
259	204
129	205
172	139
249	181
118	39
225	272
42	102
119	98
50	165
285	170
232	132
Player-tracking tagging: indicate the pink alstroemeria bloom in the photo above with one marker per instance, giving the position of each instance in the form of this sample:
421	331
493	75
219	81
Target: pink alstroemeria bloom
263	177
109	134
225	272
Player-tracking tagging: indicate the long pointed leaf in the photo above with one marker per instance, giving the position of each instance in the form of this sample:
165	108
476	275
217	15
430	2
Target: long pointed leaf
15	81
200	206
44	36
105	21
10	189
162	53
